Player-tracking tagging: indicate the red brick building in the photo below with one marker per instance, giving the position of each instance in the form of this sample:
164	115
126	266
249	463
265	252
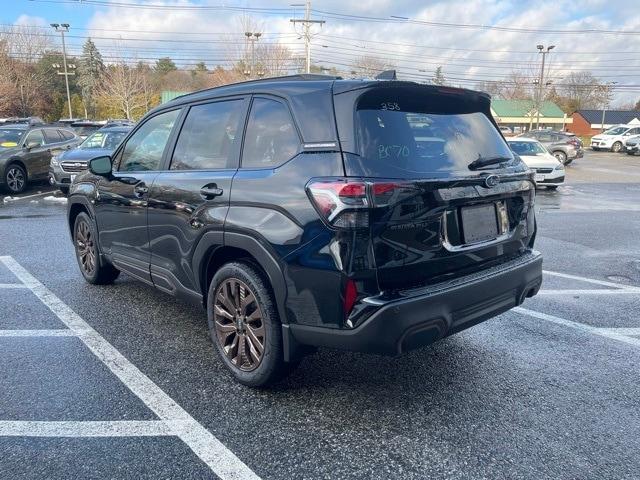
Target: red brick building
592	122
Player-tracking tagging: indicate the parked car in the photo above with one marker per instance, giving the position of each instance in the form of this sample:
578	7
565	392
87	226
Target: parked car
632	145
549	170
564	146
506	131
336	229
85	128
25	152
22	121
63	168
613	139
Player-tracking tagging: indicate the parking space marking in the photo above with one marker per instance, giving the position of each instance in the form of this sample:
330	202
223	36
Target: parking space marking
202	442
633	331
591	280
12	285
120	428
618	291
65	332
603	332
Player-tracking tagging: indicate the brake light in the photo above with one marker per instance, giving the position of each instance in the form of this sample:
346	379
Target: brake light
345	203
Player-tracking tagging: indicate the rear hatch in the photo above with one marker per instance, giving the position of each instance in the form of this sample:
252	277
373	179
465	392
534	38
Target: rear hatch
445	194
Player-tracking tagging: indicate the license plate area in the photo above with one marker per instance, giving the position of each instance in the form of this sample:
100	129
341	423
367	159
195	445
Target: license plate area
539	177
479	223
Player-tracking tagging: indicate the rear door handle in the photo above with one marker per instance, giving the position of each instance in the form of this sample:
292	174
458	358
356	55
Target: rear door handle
140	189
210	191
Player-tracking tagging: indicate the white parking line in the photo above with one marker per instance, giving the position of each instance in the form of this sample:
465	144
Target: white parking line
602	291
623	330
12	285
38	333
122	428
589	280
202	442
603	332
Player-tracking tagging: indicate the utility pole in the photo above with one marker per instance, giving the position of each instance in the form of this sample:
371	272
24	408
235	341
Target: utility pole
541	80
606	105
306	30
62	28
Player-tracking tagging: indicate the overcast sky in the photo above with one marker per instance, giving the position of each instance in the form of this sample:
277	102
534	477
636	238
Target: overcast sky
466	50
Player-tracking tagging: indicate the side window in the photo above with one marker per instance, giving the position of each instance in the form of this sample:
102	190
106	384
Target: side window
545	137
52	136
271	137
144	149
35	136
66	134
208	136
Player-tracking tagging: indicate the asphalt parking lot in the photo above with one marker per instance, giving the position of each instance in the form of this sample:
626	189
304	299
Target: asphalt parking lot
122	381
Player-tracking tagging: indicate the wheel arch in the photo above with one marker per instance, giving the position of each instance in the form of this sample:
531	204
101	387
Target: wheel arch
212	252
76	206
16	161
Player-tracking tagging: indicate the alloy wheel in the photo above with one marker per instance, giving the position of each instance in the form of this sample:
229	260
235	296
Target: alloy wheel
239	324
15	179
85	247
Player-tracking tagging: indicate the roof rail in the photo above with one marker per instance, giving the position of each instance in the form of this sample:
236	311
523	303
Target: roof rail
284	78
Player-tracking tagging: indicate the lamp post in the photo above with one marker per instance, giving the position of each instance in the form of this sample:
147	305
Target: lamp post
544	53
62	28
252	37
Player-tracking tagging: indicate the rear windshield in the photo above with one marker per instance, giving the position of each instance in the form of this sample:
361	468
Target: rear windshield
527	148
399	137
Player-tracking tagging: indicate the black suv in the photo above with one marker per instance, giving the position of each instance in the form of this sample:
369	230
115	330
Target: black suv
26	150
305	211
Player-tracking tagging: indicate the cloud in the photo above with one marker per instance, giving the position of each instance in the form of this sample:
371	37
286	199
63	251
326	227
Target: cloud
467	55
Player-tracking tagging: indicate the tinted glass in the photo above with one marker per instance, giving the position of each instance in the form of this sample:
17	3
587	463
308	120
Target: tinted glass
67	135
10	137
86	130
526	148
208	136
35	136
616	131
271	138
105	140
404	143
52	136
144	149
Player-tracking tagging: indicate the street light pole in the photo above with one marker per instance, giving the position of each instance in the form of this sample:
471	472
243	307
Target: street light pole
541	80
252	37
62	28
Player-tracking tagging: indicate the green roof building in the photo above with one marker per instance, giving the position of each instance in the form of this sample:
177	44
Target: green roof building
521	115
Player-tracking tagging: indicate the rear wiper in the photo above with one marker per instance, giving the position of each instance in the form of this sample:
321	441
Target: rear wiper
484	162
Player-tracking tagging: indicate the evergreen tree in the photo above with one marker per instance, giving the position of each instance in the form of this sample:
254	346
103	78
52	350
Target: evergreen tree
90	69
165	65
438	78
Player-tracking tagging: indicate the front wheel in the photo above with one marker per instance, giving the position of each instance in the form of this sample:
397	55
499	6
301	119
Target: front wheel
616	147
561	156
15	178
85	241
244	325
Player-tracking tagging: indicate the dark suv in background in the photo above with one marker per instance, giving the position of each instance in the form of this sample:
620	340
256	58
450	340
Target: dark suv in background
26	150
306	211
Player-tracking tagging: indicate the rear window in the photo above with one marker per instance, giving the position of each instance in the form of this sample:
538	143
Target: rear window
400	136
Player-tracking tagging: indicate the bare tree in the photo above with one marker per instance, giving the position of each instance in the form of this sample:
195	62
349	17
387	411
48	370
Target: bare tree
369	66
274	59
123	87
582	90
26	42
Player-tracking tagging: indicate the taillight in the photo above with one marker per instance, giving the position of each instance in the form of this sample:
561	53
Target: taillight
350	296
345	203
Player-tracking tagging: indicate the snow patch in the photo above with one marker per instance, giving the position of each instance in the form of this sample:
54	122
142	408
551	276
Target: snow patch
52	199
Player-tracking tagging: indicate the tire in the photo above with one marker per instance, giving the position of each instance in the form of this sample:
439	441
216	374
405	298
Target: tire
236	337
561	156
93	269
595	149
15	178
616	147
64	190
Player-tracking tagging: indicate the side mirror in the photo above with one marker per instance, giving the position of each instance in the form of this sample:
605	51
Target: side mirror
32	145
100	166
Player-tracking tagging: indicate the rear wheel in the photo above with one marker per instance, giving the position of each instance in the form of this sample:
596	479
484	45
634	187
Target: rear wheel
244	325
561	156
15	178
616	147
85	241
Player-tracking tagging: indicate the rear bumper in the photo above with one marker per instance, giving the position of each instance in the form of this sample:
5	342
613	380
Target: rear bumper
421	317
